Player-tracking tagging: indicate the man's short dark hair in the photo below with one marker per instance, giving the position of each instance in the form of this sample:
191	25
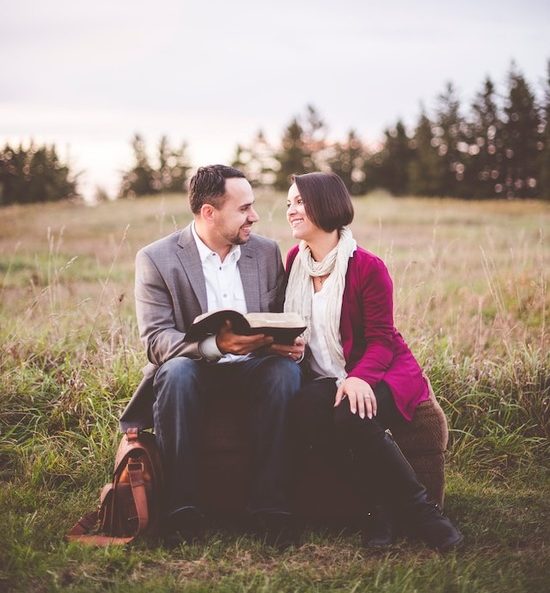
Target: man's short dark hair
207	186
326	200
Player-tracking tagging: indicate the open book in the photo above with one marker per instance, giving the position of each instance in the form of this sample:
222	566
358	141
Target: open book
284	327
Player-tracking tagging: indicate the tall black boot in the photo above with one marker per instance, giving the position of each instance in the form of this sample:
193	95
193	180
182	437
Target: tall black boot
378	528
397	484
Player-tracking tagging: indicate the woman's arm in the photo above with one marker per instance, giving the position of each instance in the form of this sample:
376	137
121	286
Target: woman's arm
376	294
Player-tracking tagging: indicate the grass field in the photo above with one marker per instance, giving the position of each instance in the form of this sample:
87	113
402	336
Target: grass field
471	299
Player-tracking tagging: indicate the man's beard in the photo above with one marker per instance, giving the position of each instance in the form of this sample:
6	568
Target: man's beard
236	239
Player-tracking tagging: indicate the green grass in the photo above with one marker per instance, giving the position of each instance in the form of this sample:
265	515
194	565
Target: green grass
505	533
471	299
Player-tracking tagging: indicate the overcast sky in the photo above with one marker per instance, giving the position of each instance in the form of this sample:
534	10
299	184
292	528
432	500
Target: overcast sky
87	75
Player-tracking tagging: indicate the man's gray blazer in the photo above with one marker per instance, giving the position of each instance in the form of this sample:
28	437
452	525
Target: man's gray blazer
170	292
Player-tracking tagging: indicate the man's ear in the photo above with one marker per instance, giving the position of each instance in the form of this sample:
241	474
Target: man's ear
207	212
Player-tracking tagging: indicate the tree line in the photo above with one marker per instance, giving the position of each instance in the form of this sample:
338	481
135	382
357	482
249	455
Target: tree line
34	174
498	148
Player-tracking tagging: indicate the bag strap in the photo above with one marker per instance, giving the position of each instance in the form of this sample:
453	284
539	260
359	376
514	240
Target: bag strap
139	494
135	472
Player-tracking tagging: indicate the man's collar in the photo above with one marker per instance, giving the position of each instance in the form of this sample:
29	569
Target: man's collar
205	252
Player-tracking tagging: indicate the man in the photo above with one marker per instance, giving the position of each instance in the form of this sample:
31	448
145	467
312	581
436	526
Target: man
214	263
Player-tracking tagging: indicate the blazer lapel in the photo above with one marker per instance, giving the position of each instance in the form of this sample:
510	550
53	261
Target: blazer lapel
188	254
248	268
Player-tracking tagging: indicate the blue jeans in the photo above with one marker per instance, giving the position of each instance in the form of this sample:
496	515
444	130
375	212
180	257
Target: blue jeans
181	387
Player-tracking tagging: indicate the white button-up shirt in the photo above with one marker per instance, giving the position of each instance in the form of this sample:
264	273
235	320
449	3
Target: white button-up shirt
224	290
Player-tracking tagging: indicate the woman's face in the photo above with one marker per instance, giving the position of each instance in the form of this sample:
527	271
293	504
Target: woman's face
301	225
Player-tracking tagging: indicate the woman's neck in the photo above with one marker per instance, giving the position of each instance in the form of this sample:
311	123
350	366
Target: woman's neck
322	244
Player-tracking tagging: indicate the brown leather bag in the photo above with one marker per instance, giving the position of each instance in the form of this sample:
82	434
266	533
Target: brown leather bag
129	506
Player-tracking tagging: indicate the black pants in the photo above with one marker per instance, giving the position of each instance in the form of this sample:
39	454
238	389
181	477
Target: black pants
343	438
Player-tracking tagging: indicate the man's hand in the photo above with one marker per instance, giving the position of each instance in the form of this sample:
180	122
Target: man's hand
360	394
229	342
294	351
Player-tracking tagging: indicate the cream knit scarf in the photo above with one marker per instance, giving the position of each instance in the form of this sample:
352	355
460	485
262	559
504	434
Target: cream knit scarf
299	291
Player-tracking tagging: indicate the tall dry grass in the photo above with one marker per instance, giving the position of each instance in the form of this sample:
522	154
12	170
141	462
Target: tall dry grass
470	297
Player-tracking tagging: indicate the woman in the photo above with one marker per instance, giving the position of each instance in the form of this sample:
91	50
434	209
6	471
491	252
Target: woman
361	375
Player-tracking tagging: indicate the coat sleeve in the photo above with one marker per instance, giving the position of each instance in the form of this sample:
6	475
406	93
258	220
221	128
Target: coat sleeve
155	315
376	298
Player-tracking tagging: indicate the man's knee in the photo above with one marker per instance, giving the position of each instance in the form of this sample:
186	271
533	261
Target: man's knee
177	376
282	373
278	380
177	369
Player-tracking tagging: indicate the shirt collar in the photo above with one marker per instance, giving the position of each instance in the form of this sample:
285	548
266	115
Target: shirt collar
205	252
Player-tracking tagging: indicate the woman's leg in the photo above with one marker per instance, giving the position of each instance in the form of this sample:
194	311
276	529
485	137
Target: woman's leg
318	460
389	475
378	524
311	417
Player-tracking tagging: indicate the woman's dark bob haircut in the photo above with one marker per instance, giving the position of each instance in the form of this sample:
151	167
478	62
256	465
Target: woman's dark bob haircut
326	200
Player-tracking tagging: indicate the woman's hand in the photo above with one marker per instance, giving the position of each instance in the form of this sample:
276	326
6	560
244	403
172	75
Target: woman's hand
360	394
294	352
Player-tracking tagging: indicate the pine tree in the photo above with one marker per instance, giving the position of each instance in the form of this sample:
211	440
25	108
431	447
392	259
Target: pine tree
315	131
294	156
485	175
425	166
256	161
390	167
448	138
173	167
347	159
521	138
141	179
240	158
34	174
544	143
303	147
